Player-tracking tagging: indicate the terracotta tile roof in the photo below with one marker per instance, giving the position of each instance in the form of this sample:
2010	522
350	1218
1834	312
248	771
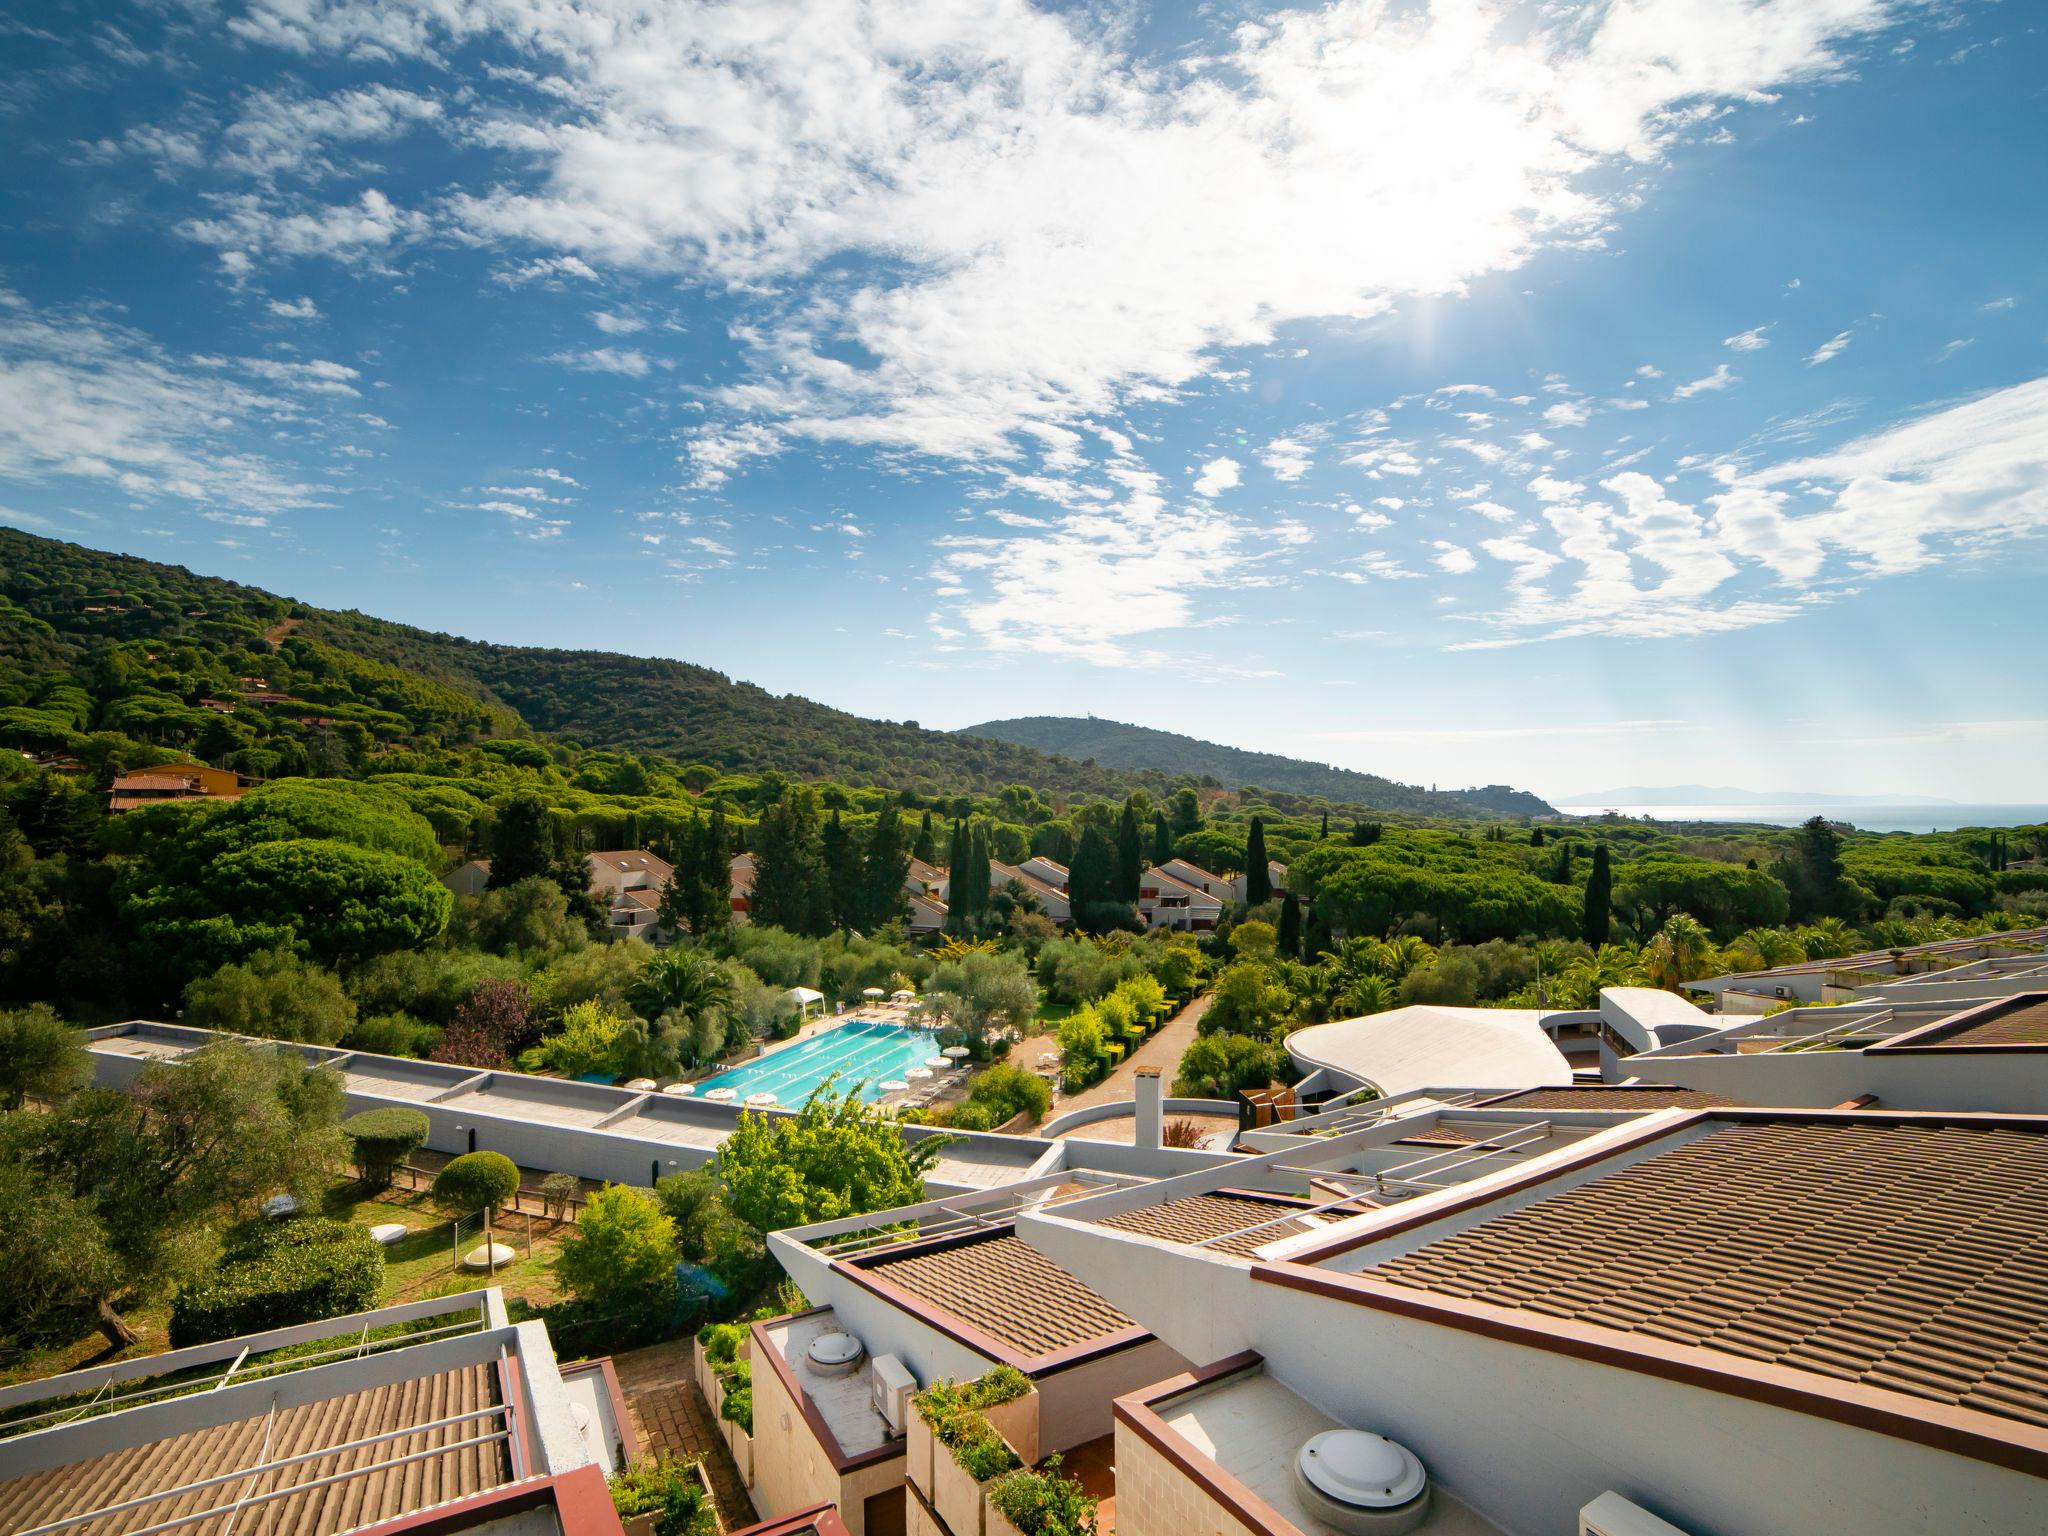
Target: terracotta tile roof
1909	1257
1604	1096
2021	1020
1008	1289
133	781
1194	1218
41	1498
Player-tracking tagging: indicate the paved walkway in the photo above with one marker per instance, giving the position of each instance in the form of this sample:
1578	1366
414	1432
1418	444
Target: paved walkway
672	1416
1163	1051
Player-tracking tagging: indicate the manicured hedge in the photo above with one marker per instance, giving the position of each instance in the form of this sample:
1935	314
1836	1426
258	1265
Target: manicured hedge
381	1139
277	1275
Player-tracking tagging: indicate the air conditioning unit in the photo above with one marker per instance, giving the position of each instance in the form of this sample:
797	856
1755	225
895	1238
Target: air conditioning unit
1613	1515
889	1387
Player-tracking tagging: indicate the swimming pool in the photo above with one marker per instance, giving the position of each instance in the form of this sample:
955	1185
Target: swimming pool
868	1053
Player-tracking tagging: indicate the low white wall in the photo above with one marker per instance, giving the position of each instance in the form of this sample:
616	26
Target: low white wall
1528	1436
1124	1109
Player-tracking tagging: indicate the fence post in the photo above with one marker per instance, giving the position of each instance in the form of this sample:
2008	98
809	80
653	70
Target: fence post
455	1244
529	1237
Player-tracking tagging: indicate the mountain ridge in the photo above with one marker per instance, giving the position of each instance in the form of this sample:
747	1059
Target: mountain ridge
1088	737
1710	794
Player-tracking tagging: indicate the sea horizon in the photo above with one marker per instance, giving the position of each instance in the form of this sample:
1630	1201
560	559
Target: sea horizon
1906	816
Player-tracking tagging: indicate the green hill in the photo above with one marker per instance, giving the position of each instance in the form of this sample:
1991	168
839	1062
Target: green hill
1110	744
94	644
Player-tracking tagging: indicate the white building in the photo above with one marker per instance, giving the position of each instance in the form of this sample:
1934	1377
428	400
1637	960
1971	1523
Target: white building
1165	902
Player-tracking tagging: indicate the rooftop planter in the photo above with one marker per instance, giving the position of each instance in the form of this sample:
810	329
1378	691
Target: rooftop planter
1038	1502
958	1442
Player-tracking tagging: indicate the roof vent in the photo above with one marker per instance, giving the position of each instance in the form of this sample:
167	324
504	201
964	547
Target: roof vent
1357	1481
835	1354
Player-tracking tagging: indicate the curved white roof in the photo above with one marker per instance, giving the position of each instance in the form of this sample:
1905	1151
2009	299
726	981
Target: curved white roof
1430	1047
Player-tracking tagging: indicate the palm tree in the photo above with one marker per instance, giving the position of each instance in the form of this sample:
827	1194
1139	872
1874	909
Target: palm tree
1679	952
683	981
1370	994
1405	954
1829	939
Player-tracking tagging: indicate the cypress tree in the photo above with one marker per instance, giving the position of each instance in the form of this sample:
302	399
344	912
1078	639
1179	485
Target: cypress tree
1535	837
1129	856
1323	831
970	880
842	874
1258	881
1290	928
927	845
699	893
884	868
1599	911
790	889
1564	864
1091	877
524	842
1318	936
1162	838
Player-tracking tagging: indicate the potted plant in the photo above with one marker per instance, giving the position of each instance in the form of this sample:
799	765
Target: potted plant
1039	1502
664	1497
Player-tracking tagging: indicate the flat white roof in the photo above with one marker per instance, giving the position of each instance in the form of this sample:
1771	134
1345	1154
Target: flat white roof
1425	1045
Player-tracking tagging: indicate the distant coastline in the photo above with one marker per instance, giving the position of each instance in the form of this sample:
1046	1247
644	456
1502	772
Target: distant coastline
1903	817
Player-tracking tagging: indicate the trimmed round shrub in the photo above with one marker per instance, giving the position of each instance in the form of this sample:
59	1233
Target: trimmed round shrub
381	1139
279	1275
477	1181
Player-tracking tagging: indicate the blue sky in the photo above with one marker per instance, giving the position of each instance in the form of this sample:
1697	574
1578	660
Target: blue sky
1649	392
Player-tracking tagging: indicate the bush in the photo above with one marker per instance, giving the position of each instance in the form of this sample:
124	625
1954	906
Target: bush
279	1275
1043	1503
1180	1133
721	1342
738	1404
393	1034
275	996
381	1139
623	1241
669	1489
1003	1092
477	1180
557	1190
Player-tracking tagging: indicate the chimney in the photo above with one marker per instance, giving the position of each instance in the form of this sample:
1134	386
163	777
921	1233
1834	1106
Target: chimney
1150	1107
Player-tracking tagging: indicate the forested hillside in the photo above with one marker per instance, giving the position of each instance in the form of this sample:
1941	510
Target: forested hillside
93	642
1110	744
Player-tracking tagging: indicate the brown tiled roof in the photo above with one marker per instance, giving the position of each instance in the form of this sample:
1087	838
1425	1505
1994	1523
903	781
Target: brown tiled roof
1195	1218
41	1498
1009	1290
1618	1096
1909	1257
2021	1020
152	781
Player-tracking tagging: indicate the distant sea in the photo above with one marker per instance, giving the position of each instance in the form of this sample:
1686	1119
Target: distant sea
1871	818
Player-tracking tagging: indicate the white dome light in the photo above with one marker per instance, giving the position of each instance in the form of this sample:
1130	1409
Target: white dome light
1358	1481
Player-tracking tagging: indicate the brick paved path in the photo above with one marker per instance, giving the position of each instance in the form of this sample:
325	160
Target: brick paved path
671	1415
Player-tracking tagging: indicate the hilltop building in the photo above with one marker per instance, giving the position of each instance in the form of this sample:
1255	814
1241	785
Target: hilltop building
176	781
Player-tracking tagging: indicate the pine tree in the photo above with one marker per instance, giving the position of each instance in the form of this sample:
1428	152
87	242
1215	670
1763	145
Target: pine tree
884	868
1258	880
524	842
1535	837
842	874
1290	928
1129	856
927	845
1599	909
1365	833
1187	811
1162	838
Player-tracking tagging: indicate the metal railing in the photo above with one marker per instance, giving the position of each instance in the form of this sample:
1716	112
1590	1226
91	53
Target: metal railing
261	1469
960	1220
188	1386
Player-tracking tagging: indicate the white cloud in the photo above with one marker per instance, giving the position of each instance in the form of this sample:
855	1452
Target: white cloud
1454	559
283	133
626	361
295	309
365	230
1997	306
617	325
84	398
1288	458
1323	164
1751	340
1830	349
1954	347
1567	413
1218	476
1719	379
1964	480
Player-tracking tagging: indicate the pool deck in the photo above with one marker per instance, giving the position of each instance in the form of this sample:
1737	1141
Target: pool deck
897	1014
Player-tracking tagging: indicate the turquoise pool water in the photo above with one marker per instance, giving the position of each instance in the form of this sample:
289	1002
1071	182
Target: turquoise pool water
869	1054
